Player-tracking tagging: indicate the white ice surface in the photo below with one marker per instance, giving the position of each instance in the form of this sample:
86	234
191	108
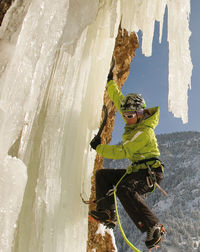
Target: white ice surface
53	68
141	15
12	180
180	65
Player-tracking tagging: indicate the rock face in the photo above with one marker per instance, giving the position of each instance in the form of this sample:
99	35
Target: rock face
4	6
124	51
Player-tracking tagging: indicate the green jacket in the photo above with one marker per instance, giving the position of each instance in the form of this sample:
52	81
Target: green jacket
138	141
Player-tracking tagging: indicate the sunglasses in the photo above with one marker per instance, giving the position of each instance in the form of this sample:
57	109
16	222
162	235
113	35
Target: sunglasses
129	116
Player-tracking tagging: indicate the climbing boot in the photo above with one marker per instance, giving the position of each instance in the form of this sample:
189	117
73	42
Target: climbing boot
106	217
154	235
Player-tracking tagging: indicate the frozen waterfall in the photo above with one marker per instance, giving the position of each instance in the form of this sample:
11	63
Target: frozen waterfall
54	61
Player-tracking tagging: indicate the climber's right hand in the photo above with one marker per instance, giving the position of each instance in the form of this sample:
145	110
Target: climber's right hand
95	142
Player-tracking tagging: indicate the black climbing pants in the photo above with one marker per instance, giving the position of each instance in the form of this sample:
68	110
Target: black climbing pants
129	192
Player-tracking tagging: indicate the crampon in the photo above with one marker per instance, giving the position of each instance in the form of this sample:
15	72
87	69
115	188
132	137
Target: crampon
155	244
156	247
107	218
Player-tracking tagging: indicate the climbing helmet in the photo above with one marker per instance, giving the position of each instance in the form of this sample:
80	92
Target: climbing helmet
132	102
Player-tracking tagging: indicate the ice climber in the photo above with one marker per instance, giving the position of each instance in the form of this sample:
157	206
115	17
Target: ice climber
139	145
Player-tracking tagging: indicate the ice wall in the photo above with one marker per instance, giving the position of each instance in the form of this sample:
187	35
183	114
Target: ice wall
52	94
55	59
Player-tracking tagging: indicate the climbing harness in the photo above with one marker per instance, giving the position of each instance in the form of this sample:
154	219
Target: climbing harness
151	179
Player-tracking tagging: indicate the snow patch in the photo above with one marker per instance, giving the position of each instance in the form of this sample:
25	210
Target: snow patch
102	230
110	232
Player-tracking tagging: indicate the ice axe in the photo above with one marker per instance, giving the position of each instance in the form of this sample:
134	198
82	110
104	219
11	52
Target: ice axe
97	139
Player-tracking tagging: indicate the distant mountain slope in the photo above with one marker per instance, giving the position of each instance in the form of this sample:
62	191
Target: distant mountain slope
180	211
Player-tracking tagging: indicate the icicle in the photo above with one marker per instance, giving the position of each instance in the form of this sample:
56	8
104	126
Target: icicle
141	15
180	65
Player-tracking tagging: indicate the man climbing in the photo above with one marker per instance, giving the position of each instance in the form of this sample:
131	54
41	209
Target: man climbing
139	145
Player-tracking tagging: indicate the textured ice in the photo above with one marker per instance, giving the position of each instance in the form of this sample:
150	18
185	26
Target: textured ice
141	15
54	63
180	65
12	181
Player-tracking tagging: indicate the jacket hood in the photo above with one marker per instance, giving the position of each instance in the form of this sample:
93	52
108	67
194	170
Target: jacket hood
150	119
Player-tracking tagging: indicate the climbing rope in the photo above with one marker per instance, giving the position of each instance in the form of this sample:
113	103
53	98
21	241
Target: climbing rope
118	220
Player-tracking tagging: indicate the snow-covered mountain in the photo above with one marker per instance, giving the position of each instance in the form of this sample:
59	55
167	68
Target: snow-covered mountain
179	212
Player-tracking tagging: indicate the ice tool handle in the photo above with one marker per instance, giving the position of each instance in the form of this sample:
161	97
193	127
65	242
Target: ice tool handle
104	120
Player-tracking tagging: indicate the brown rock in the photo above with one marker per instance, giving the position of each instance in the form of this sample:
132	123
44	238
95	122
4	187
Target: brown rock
4	6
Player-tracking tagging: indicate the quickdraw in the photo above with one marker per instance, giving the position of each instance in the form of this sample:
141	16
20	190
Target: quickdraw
152	180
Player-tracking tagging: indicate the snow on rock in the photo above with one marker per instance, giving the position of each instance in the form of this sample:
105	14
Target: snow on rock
110	232
102	230
55	62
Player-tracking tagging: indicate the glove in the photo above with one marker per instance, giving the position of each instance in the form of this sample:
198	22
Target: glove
95	142
110	75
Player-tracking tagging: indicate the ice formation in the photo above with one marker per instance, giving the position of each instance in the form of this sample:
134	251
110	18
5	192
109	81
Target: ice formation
54	63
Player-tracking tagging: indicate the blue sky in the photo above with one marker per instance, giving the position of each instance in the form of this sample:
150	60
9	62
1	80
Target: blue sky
149	77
